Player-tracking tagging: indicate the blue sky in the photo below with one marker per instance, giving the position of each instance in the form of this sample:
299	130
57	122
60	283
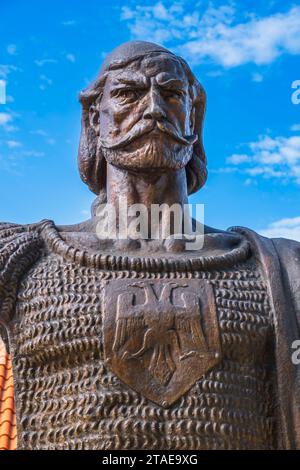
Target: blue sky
246	54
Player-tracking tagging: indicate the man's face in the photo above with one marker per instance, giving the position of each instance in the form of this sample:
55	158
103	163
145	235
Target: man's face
145	115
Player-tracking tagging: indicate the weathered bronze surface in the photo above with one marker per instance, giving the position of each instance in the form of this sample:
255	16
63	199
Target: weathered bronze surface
164	333
139	343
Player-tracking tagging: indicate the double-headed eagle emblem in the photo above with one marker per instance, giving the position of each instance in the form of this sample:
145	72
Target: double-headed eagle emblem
160	336
163	323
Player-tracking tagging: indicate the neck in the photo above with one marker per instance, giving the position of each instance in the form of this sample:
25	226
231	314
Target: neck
146	189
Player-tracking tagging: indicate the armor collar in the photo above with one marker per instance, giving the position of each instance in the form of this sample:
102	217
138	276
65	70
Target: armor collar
221	250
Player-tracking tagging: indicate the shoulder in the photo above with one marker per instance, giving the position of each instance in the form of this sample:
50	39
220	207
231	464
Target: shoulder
20	247
289	256
279	256
287	249
283	246
280	253
14	237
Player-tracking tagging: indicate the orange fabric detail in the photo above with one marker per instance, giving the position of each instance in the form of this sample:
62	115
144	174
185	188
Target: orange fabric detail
8	427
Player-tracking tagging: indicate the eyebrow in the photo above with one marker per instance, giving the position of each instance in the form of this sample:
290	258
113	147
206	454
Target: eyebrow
136	82
172	83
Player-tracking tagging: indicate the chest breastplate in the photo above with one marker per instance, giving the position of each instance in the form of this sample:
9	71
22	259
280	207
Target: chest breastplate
68	395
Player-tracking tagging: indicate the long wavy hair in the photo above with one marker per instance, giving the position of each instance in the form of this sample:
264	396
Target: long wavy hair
91	161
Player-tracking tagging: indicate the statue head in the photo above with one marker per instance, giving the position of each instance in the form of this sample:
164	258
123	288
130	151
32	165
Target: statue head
143	113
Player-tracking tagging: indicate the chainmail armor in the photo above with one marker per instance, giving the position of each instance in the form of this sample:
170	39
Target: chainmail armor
68	399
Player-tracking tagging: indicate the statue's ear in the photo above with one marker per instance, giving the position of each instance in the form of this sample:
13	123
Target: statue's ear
192	119
91	162
94	120
196	168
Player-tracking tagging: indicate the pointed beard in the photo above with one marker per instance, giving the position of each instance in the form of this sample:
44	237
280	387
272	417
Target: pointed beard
154	154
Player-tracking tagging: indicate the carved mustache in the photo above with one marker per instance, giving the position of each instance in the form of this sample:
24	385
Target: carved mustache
143	128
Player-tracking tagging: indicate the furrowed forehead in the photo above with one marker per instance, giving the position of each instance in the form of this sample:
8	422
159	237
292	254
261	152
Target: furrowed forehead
162	63
150	66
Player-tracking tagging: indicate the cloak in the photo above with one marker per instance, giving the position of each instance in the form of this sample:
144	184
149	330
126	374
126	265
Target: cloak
280	263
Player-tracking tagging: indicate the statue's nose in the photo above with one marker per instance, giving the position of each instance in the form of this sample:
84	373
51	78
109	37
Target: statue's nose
155	108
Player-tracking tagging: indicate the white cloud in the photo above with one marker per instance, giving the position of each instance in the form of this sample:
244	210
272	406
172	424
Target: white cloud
5	70
12	49
85	212
32	153
277	157
6	120
12	158
40	132
236	159
214	73
283	228
46	81
3	91
257	77
215	34
12	144
250	182
69	23
127	13
71	58
42	62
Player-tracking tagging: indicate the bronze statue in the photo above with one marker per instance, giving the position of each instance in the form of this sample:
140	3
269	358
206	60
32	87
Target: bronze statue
140	343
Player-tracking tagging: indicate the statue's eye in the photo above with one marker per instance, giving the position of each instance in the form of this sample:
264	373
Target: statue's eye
176	94
127	94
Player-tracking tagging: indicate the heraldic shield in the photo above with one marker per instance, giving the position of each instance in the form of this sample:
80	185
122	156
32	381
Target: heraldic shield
160	336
